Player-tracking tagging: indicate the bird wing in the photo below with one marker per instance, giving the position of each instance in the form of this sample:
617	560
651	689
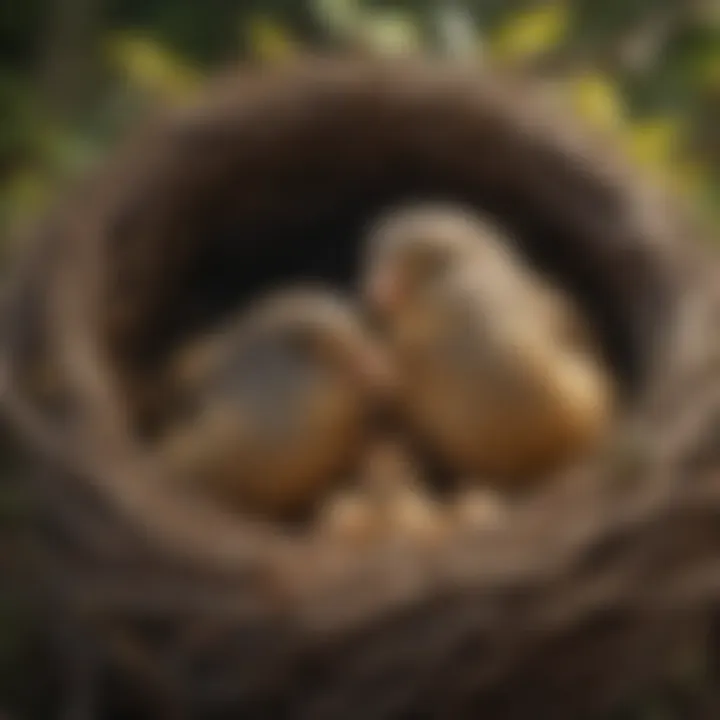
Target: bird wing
269	383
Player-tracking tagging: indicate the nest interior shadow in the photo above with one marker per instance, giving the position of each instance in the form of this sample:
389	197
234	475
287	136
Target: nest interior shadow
273	178
278	184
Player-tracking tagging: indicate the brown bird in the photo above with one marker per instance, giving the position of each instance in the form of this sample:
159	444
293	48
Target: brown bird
278	404
499	372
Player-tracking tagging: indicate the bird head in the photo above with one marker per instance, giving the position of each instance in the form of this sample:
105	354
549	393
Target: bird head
412	250
326	329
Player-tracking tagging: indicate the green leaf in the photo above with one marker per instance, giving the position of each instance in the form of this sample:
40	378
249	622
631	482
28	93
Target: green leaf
339	17
146	65
391	32
268	40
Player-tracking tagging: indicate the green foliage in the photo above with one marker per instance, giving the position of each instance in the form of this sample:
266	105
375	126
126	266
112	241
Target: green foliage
154	52
532	32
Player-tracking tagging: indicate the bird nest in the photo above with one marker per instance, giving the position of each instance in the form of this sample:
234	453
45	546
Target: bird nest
593	588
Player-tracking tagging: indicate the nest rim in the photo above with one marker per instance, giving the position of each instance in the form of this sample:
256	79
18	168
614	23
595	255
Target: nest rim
297	580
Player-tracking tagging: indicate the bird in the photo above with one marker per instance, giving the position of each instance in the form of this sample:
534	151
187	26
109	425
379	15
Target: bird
277	404
500	373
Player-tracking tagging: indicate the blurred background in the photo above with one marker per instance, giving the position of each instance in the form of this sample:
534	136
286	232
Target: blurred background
76	74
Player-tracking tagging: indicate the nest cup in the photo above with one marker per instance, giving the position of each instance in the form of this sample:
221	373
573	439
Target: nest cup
578	603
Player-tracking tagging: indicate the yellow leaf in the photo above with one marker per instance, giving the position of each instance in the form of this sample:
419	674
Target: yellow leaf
654	143
148	66
596	99
390	32
531	33
269	40
26	192
688	177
